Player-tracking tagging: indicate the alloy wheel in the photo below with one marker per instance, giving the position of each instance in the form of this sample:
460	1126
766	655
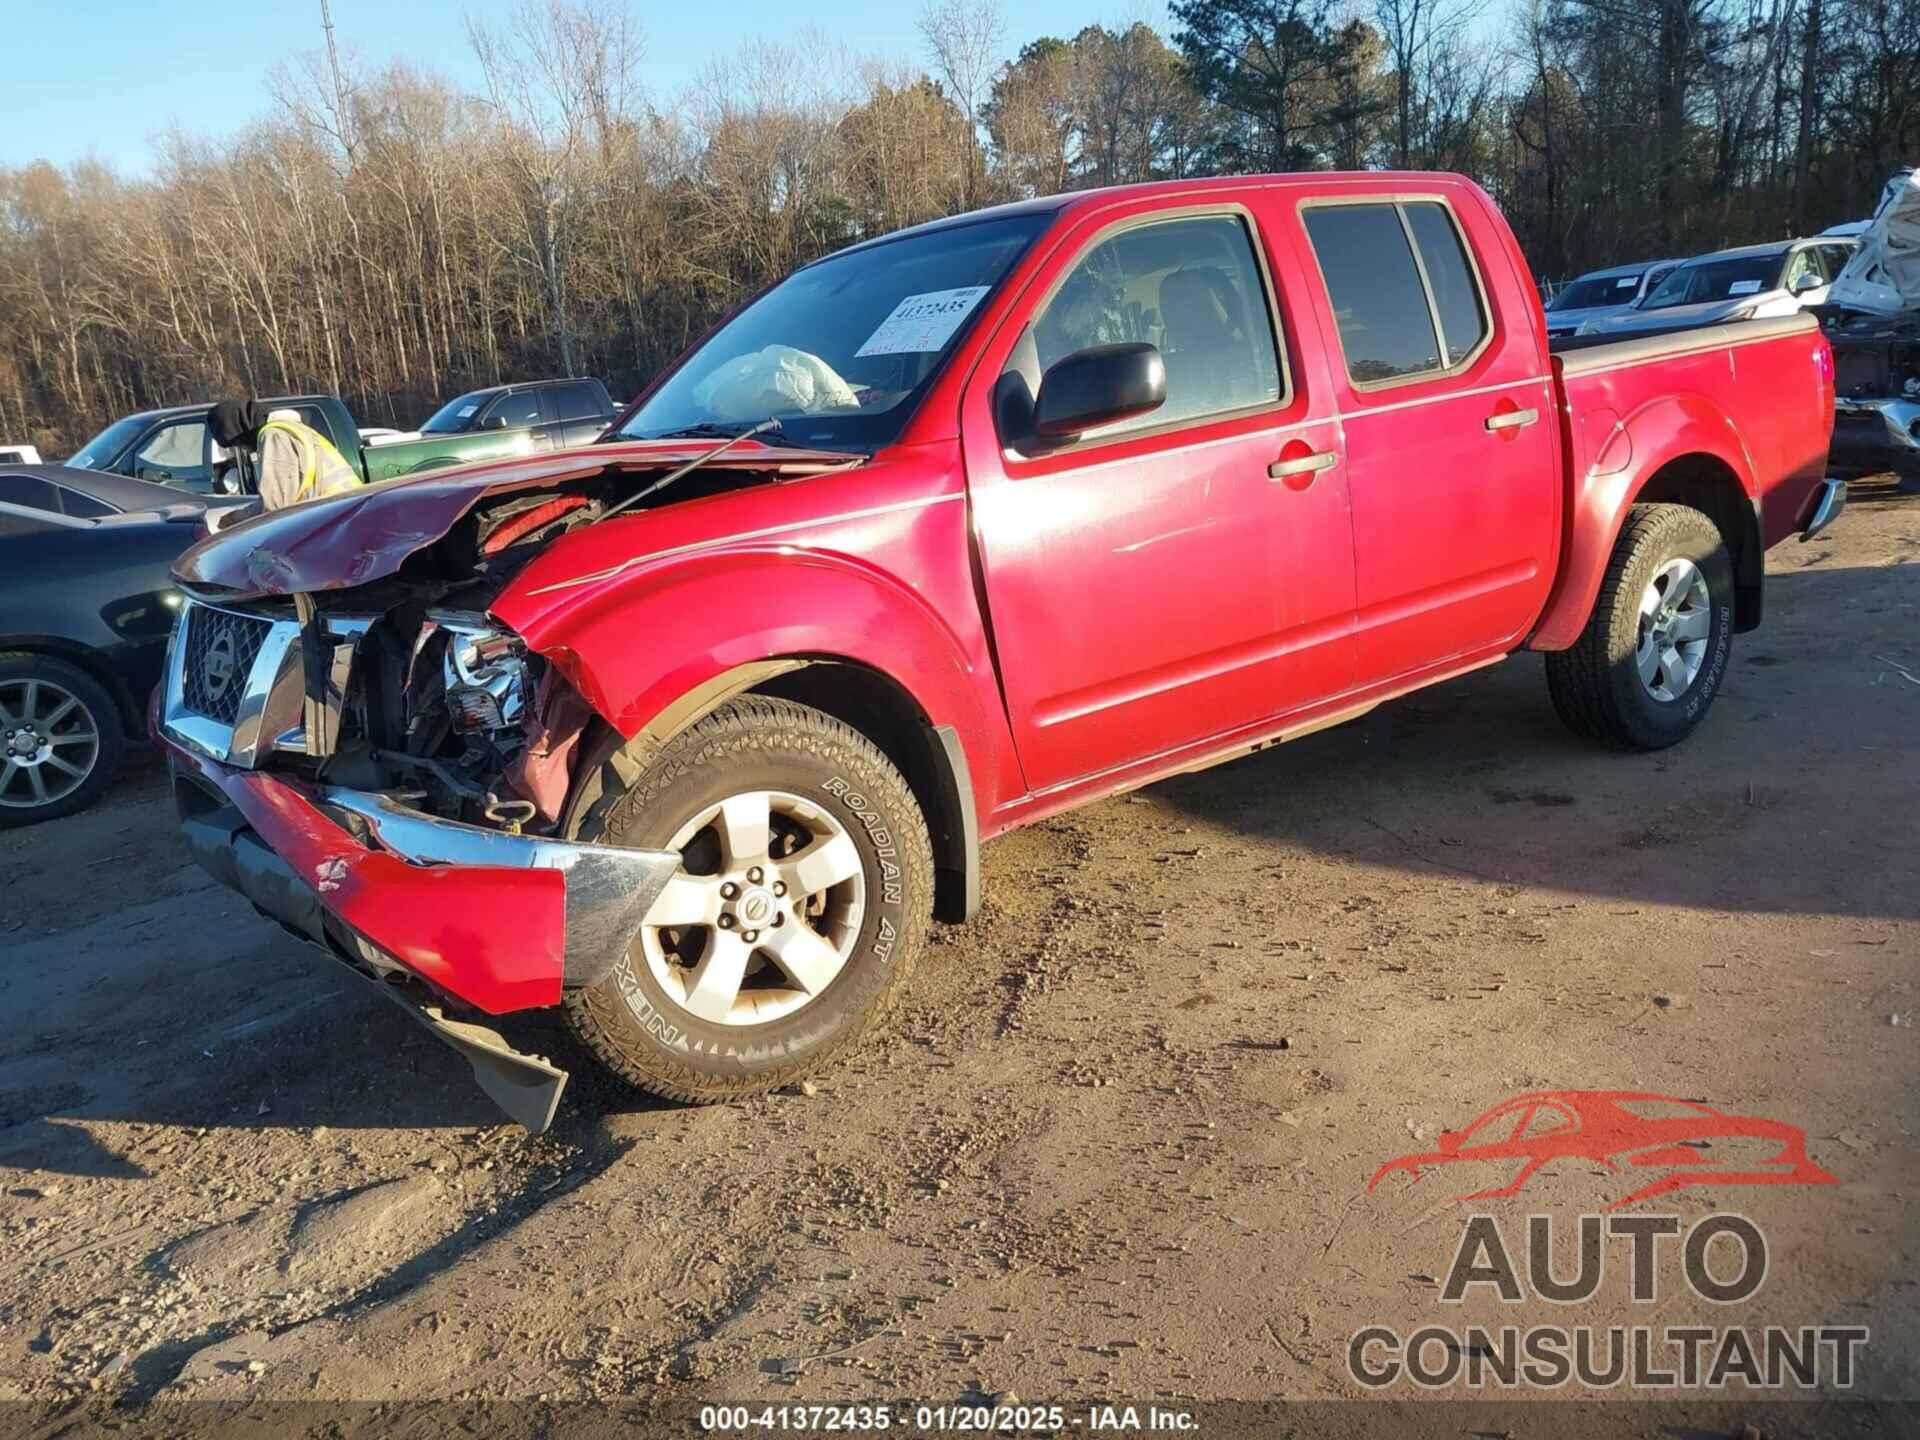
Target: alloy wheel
49	743
763	912
1676	617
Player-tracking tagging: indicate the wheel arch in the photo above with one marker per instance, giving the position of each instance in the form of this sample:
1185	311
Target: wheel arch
931	758
1677	450
129	708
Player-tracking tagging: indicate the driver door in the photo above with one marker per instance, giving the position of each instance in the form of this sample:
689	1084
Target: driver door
1160	581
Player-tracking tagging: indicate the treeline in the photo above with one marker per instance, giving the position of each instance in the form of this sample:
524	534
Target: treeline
393	238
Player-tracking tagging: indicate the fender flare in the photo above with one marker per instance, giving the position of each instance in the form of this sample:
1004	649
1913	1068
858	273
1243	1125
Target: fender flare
1653	441
716	606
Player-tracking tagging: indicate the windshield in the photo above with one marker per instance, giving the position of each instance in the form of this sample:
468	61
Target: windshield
1598	290
1705	281
455	415
98	452
840	350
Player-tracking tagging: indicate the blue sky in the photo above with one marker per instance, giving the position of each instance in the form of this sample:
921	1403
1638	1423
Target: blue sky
103	77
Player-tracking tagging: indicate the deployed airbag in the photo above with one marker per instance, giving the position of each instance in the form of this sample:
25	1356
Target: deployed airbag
778	380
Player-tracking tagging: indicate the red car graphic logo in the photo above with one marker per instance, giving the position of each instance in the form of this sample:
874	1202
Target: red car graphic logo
1616	1129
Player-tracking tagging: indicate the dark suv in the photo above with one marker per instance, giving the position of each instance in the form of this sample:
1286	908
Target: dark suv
570	412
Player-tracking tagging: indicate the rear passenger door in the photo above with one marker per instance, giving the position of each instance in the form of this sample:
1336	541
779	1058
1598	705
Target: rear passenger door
1451	438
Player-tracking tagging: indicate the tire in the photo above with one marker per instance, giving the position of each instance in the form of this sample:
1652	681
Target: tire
1598	686
58	706
653	1020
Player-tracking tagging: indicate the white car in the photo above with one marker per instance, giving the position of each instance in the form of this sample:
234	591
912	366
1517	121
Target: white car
1600	293
19	455
1750	283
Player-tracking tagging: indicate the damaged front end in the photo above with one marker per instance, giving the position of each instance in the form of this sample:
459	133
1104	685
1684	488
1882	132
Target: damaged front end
1876	361
383	768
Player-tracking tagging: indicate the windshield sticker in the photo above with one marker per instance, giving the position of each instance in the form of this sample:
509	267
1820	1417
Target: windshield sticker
1744	287
921	324
466	410
1627	283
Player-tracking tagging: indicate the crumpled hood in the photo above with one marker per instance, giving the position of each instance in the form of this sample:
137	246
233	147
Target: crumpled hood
345	540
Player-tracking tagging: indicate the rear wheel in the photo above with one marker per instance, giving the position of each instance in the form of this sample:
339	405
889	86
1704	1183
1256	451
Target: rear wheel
60	739
802	900
1654	652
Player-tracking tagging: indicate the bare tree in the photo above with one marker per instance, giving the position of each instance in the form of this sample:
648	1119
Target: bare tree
965	39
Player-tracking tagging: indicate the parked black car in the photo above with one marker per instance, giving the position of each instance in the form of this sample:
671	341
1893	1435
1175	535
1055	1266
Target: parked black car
86	604
570	412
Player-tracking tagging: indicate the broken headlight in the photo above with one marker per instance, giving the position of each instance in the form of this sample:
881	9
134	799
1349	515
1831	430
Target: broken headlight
483	671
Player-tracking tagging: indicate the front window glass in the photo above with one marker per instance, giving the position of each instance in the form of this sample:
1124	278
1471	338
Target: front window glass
514	411
175	454
839	351
456	415
98	452
1706	281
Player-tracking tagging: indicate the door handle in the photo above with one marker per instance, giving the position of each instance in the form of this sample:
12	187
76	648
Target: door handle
1311	464
1512	419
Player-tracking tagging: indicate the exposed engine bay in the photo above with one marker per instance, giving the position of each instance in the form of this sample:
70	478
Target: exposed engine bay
403	683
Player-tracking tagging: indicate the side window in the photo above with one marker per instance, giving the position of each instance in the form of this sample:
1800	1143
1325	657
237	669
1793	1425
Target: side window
513	411
1189	287
28	490
1836	257
314	418
84	507
1456	295
577	402
174	454
1804	263
1389	330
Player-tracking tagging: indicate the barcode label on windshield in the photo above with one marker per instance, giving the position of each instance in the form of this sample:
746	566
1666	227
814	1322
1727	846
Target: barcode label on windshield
921	324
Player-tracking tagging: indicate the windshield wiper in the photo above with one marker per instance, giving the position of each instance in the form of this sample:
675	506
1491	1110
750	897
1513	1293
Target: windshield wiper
733	439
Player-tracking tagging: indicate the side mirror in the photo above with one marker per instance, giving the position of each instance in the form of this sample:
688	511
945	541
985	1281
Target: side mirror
495	421
1807	282
1098	386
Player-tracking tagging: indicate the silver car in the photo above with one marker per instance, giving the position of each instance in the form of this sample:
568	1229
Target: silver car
1600	293
1745	284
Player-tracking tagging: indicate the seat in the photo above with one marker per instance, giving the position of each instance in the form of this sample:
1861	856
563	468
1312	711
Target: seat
1209	361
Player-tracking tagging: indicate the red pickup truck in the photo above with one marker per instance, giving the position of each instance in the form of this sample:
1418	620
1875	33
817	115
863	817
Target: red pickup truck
695	732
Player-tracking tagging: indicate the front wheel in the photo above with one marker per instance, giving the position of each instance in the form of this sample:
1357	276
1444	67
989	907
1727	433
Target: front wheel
803	897
1647	667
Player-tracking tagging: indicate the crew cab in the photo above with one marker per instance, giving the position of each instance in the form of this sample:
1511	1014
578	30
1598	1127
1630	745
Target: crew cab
695	732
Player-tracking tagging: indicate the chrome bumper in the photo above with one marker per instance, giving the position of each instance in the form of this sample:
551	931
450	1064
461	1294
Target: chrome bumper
1829	500
609	890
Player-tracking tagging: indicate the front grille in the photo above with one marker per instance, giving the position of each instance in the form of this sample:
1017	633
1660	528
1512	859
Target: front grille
221	649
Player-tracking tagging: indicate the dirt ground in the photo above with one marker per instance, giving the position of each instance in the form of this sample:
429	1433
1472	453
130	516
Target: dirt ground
1116	1143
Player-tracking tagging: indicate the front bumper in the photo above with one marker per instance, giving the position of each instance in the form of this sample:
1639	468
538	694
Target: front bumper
1871	436
496	921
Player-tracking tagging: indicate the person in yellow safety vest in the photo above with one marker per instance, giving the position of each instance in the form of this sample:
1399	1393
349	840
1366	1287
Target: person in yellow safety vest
296	461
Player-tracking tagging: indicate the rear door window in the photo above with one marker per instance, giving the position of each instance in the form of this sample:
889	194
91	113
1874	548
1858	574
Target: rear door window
578	401
1456	295
1399	311
28	490
84	507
